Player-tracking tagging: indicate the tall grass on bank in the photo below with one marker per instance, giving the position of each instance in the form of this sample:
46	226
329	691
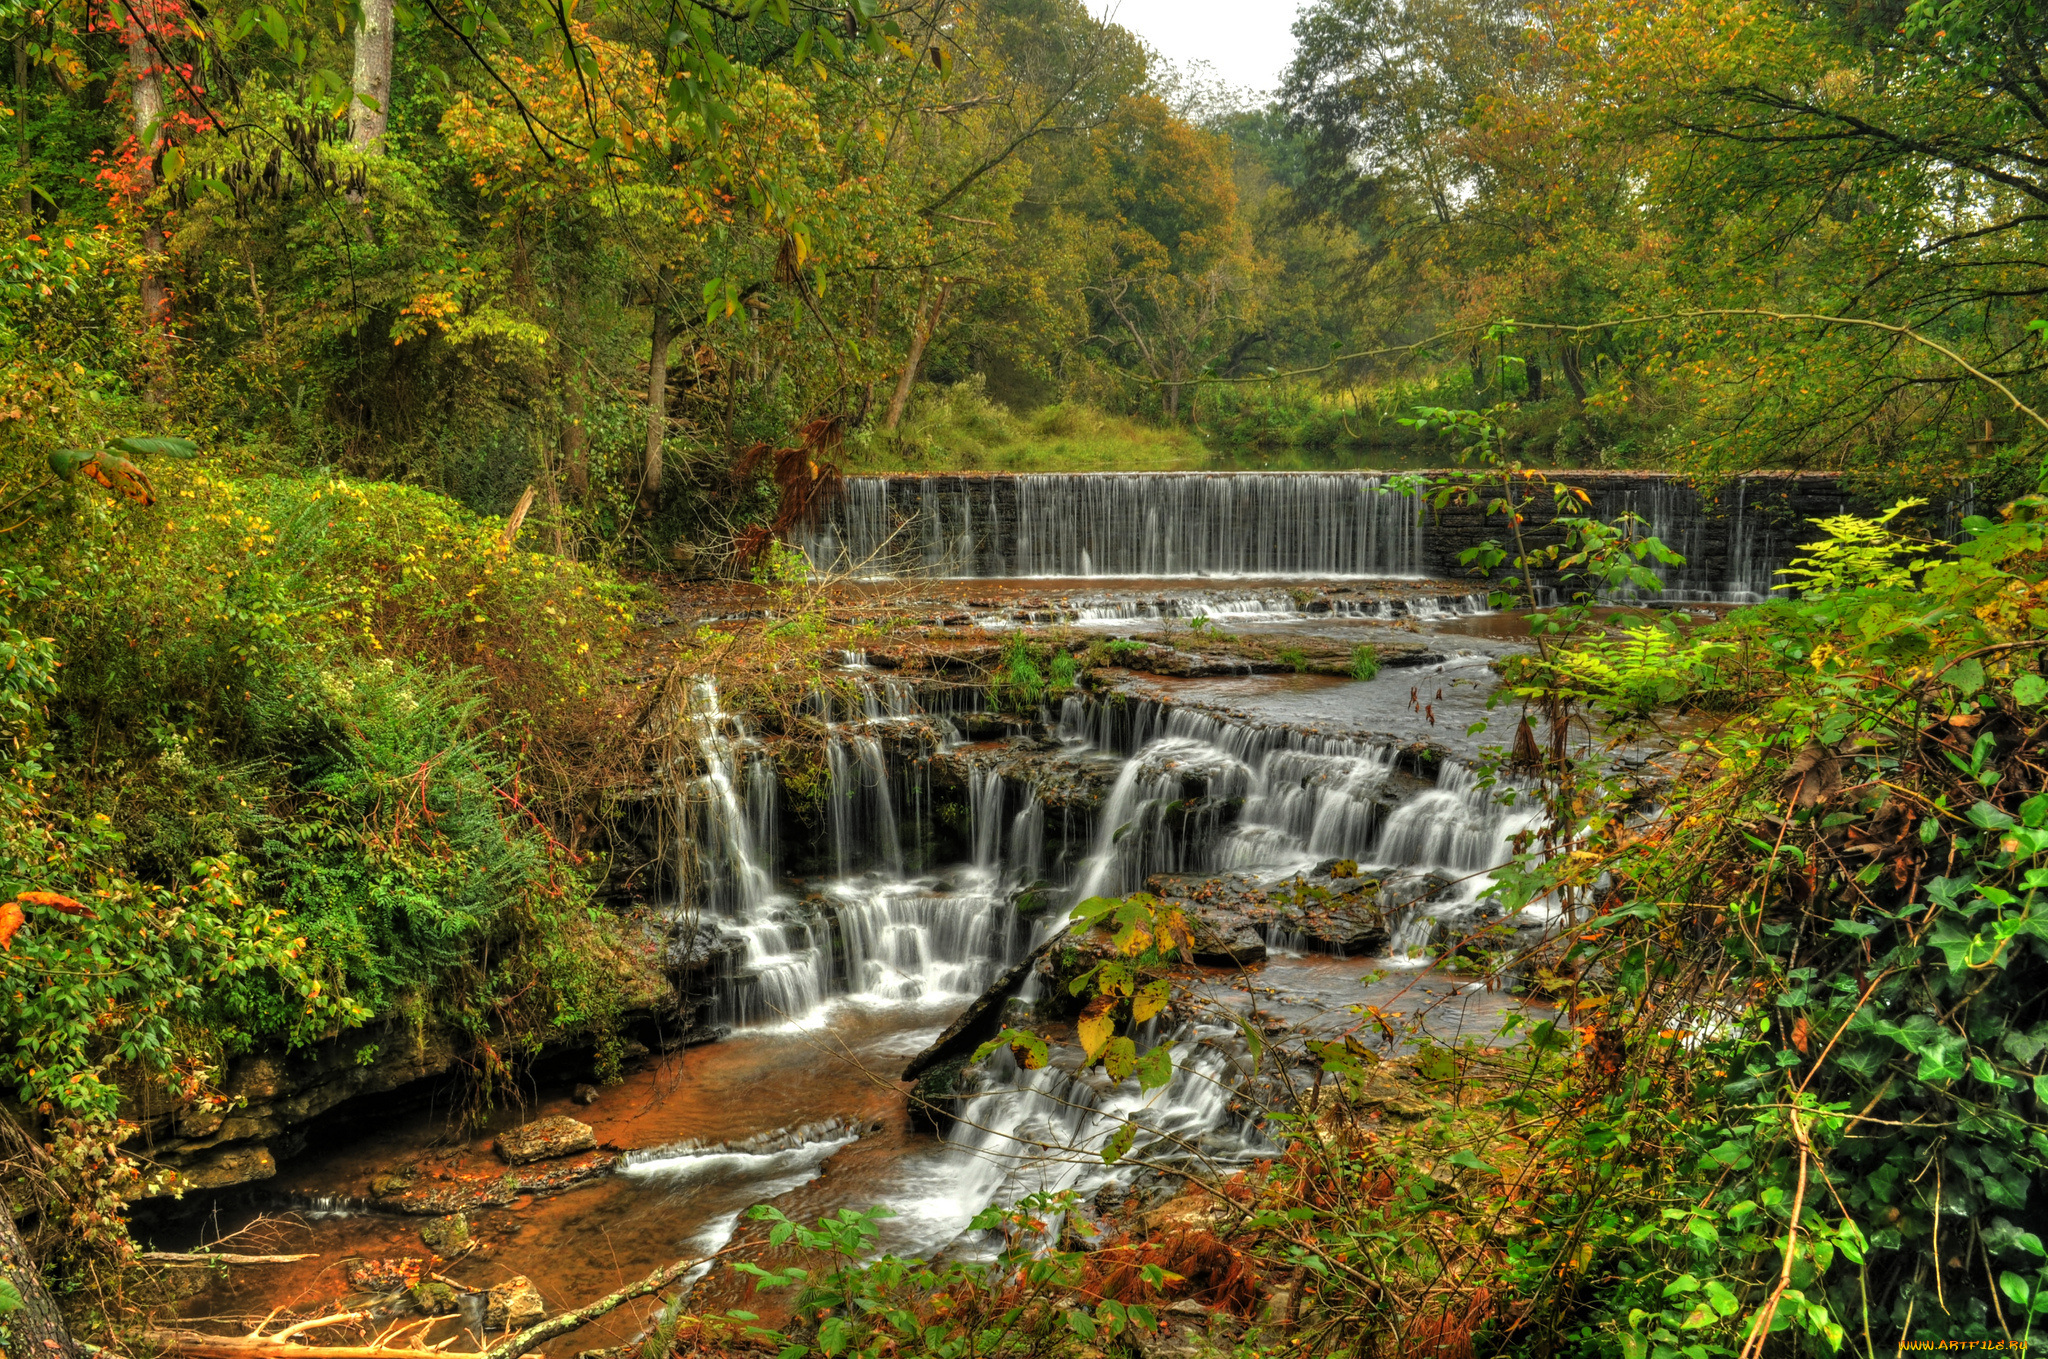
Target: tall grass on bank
1284	427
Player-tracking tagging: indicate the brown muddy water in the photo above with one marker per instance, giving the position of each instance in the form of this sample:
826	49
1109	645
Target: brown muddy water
681	1193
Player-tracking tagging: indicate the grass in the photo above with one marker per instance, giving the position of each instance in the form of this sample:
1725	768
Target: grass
959	429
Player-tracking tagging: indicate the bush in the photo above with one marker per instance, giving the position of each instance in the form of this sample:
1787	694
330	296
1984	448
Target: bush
357	694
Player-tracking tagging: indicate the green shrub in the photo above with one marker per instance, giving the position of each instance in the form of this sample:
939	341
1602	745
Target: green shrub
1064	671
1017	684
1365	661
359	694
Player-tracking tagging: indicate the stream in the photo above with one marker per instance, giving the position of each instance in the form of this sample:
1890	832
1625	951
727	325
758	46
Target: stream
829	936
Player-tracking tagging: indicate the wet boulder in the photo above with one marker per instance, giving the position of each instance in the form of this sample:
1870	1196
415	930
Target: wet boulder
446	1236
545	1139
435	1299
936	1097
513	1304
1225	938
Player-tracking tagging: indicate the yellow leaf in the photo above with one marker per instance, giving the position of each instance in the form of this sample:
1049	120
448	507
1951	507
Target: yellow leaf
1150	1000
1095	1026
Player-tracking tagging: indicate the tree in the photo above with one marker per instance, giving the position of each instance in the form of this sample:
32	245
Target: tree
1176	278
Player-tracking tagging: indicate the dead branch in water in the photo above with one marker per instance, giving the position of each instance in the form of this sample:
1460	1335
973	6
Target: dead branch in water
176	1257
257	1345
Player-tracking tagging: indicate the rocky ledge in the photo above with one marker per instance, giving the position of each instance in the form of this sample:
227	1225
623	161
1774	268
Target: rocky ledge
274	1098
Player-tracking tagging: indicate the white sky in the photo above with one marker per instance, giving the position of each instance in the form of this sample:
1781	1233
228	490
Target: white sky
1248	43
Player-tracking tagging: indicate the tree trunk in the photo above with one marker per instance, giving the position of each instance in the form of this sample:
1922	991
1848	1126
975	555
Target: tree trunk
36	1329
148	102
1568	362
657	396
575	433
28	188
370	112
1534	373
918	340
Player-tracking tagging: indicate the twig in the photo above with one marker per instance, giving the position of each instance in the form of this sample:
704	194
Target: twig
1761	1330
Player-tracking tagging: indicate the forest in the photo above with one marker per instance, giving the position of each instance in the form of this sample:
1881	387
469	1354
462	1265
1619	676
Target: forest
461	463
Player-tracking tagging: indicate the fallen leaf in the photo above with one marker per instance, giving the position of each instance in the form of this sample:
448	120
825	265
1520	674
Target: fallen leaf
1814	773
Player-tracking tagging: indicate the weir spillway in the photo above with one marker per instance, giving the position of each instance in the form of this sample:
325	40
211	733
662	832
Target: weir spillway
1298	525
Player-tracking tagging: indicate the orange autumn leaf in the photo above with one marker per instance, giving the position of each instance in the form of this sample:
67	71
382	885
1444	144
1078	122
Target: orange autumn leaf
11	919
1801	1036
68	905
121	477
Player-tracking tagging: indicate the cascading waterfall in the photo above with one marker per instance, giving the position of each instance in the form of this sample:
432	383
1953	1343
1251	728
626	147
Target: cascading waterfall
1315	524
1196	792
1042	1131
1459	829
1291	799
785	968
1302	797
887	927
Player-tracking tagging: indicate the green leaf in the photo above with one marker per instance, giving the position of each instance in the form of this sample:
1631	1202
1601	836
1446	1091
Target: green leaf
1967	677
1942	1059
2029	689
1254	1041
65	462
10	1298
1465	1158
1119	1143
157	446
1435	1064
1120	1059
1155	1068
1093	909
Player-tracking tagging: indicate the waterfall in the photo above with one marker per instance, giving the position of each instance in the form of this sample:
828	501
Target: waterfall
1300	797
1459	829
985	804
1320	524
1042	1131
733	868
1195	793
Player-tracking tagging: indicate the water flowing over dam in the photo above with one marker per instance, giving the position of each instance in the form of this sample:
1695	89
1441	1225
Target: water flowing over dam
1311	524
1292	525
